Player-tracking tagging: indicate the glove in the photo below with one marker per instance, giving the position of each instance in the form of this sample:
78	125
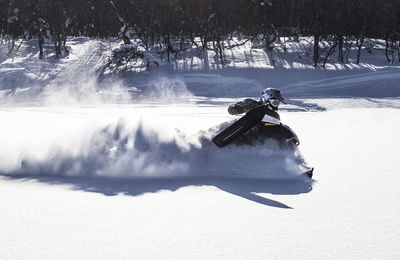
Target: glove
235	109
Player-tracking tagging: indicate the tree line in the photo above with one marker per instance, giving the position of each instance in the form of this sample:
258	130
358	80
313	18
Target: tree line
173	26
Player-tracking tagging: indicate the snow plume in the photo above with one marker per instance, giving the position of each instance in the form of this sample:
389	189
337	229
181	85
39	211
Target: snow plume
77	80
114	151
71	80
75	146
166	90
84	89
80	147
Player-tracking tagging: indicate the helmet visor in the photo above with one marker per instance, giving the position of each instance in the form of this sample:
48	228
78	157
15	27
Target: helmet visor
274	102
276	94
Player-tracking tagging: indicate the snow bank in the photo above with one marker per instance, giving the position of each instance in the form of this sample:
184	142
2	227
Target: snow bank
377	84
80	77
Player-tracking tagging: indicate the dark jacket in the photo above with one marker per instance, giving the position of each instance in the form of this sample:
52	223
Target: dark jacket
247	105
243	106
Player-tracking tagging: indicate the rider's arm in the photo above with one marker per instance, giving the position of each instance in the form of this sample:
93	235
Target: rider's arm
243	106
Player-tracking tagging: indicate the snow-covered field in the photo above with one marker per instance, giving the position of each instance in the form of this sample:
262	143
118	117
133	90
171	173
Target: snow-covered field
129	171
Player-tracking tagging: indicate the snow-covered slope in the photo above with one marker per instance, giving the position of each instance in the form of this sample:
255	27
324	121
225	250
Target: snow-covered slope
83	76
105	167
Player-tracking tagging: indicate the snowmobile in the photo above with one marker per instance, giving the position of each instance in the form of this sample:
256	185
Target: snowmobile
260	122
257	122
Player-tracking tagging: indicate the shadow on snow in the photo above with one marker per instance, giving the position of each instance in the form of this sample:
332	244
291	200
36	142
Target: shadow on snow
246	188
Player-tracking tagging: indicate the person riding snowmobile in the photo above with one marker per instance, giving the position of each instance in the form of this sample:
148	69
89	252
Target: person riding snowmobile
261	120
271	97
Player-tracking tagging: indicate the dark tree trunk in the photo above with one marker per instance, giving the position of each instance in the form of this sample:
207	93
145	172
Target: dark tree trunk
58	45
41	41
340	45
393	49
398	51
359	46
125	39
64	42
168	46
386	49
330	52
220	51
269	42
205	43
316	49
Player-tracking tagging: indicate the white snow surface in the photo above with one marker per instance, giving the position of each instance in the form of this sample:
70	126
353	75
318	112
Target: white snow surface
124	167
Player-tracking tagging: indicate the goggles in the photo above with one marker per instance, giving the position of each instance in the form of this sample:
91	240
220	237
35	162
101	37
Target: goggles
274	102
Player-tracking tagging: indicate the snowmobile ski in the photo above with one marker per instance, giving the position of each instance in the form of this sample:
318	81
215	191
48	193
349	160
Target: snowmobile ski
309	173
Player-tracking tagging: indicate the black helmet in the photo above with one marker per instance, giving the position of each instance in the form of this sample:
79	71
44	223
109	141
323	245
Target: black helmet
272	96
